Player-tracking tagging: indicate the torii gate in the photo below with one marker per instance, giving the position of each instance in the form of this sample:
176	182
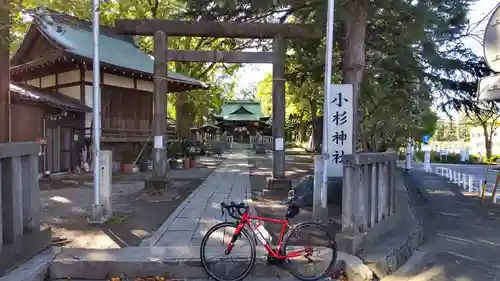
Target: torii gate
161	29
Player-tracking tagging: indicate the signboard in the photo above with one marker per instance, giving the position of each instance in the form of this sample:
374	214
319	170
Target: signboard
491	41
489	88
426	147
425	139
340	127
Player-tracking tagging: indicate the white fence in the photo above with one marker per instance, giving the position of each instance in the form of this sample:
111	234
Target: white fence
265	139
465	181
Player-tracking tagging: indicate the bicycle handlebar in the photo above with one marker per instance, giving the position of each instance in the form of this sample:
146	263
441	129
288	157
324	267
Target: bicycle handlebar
234	209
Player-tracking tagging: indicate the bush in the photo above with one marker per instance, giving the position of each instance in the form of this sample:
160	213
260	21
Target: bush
453	158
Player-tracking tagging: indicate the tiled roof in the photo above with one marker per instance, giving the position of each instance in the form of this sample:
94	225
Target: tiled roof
241	110
51	98
112	50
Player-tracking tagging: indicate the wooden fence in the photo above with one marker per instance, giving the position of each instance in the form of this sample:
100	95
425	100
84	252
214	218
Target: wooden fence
368	195
20	233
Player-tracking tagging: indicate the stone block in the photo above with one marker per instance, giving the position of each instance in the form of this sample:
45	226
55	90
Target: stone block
278	184
335	190
349	243
158	184
304	191
177	262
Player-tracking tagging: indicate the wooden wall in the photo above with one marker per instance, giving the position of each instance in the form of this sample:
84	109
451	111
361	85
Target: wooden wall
30	126
126	108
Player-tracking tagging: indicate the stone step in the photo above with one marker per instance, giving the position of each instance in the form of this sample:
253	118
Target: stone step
175	262
274	278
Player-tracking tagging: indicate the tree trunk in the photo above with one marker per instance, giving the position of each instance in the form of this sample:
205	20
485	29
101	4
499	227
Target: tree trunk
315	125
353	59
487	142
4	72
302	131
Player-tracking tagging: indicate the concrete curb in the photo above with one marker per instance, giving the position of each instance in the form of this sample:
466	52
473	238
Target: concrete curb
156	236
35	269
99	264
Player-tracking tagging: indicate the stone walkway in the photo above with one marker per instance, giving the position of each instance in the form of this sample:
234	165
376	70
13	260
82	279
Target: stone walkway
201	210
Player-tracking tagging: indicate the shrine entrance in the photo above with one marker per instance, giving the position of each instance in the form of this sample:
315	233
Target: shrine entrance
161	29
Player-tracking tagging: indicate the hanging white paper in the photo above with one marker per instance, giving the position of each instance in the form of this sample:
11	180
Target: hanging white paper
158	143
278	144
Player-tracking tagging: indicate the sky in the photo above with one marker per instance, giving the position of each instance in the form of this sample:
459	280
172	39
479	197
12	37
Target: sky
252	74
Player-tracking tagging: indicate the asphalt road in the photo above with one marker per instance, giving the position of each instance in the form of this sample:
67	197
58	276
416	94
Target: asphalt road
461	235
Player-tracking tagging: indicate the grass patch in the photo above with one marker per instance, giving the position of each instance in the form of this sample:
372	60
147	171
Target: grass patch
115	220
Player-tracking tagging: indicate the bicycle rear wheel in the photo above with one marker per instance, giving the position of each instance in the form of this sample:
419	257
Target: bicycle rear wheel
318	250
224	268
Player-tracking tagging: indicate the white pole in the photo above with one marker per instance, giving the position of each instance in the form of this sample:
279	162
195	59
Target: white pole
326	111
408	154
97	214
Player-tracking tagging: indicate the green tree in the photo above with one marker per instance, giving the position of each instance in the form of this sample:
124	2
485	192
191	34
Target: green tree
450	133
464	132
373	51
439	134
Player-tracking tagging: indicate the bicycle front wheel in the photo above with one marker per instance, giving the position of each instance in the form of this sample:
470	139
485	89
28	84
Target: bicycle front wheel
227	266
316	251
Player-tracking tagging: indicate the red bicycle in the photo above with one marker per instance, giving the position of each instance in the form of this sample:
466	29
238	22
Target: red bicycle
240	242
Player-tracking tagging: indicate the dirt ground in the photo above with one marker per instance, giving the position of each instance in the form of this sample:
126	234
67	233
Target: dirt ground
67	203
297	166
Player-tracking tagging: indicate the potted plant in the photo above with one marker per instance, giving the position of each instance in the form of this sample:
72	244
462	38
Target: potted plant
192	160
186	147
128	159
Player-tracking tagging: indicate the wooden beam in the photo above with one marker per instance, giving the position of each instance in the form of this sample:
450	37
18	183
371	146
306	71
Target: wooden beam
219	56
219	29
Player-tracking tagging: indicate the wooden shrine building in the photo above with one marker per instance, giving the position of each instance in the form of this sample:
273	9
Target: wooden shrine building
243	119
56	56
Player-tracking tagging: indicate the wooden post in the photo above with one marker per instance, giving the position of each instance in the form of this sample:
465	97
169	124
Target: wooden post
159	92
4	72
279	107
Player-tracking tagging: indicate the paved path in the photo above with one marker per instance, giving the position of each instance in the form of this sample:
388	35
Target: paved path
201	210
462	242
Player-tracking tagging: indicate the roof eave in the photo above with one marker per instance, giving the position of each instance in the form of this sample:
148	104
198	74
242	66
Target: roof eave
188	85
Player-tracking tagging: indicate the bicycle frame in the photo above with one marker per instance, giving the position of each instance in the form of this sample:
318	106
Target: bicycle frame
247	220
